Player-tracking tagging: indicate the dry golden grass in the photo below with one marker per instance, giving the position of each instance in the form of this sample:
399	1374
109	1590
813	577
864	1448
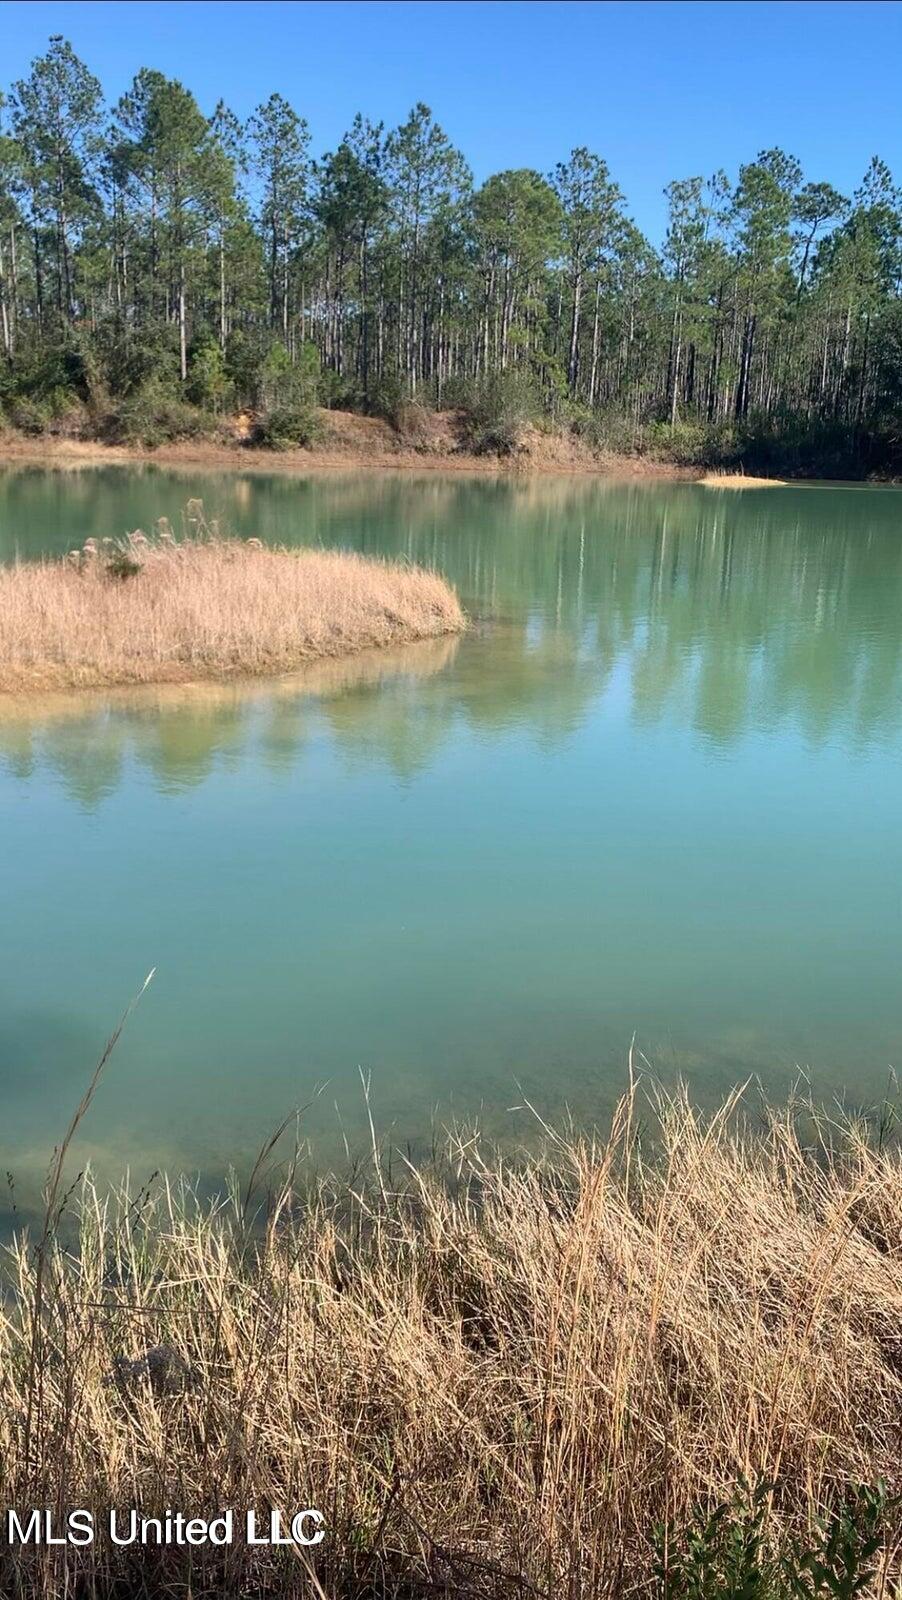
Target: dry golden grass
201	608
739	480
493	1379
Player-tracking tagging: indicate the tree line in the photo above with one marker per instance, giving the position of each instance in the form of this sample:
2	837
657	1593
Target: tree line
153	255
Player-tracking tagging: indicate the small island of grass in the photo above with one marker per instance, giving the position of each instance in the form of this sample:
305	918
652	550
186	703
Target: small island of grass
739	480
139	610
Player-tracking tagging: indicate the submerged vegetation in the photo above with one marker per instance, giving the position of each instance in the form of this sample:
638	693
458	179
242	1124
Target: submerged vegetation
161	610
162	270
666	1362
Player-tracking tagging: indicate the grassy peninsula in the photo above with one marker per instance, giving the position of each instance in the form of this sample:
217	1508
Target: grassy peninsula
162	610
494	1376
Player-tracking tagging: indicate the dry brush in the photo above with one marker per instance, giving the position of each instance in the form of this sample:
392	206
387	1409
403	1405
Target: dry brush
159	610
495	1378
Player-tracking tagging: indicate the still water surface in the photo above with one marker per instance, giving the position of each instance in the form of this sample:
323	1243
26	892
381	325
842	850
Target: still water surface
657	789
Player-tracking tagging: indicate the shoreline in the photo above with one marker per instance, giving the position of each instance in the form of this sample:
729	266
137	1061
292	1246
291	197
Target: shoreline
563	459
433	443
317	678
237	457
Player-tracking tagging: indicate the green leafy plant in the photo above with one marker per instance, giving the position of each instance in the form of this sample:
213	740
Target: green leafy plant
494	412
721	1553
726	1554
388	398
209	385
286	426
151	416
843	1561
120	564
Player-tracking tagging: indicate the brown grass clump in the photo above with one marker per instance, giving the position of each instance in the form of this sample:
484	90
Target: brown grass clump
493	1379
161	611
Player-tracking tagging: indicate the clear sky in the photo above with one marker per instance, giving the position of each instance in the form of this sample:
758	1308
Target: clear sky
661	90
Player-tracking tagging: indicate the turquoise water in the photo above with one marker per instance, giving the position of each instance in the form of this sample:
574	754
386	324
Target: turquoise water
657	790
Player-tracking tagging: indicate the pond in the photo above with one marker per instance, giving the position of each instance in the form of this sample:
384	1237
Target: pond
655	791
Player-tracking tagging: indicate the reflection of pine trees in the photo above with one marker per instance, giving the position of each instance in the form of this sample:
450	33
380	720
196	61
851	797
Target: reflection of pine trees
727	613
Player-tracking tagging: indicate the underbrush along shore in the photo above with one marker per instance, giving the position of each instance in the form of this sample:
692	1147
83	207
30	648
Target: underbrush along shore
160	610
480	439
505	1376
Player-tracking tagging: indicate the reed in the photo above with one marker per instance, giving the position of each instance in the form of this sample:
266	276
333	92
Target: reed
494	1376
162	610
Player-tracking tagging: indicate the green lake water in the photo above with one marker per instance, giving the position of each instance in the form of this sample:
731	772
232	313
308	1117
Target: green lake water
656	790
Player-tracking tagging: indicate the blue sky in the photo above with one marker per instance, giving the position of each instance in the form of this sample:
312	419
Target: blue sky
661	90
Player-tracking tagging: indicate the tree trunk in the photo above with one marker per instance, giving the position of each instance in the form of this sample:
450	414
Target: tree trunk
412	311
4	308
4	315
573	362
364	321
38	281
183	336
222	290
441	335
675	374
676	341
13	284
745	367
273	273
864	369
593	380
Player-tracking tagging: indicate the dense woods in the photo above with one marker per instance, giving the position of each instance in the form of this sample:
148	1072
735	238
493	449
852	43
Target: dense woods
161	267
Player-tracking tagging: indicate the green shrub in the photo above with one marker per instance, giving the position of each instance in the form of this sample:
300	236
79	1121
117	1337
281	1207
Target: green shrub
261	374
285	427
338	391
29	415
245	354
209	385
589	426
689	444
727	1554
43	392
135	358
494	412
152	417
387	398
122	565
287	383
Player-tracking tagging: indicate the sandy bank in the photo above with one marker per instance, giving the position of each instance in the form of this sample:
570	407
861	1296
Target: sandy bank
350	442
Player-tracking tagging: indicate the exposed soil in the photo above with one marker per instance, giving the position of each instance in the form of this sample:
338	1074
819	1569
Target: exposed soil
428	442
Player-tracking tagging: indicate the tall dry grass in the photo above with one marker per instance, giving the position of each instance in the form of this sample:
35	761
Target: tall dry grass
726	479
494	1377
158	610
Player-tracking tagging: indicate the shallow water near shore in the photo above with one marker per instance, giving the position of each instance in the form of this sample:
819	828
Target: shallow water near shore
656	790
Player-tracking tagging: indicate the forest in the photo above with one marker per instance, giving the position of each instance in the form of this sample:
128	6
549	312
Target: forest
162	269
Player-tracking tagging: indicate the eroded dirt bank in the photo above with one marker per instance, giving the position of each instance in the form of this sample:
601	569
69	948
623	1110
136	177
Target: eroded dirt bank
349	442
